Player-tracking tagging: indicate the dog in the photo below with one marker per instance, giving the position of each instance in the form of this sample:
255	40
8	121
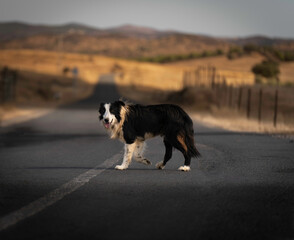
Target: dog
134	123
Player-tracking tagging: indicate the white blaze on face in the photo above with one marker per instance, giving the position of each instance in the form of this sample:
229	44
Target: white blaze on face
108	117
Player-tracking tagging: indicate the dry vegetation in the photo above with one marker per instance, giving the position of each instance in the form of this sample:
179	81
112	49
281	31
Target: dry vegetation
42	76
164	76
91	67
52	63
238	66
119	45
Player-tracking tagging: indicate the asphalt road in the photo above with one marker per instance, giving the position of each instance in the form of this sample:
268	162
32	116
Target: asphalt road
57	181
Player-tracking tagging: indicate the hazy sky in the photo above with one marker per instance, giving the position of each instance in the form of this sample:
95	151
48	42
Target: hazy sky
273	18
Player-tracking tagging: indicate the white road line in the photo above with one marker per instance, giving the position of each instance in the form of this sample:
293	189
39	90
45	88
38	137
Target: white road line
56	195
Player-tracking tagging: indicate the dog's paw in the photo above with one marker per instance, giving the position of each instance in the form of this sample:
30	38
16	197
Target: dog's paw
146	161
184	168
143	160
120	167
160	165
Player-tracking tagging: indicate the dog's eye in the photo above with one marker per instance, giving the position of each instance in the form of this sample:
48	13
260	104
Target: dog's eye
102	110
112	109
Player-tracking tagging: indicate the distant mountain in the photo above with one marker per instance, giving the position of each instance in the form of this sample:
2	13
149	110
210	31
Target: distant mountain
261	41
140	32
126	41
15	30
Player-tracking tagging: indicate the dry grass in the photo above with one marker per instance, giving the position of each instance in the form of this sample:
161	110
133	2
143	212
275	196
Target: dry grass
153	82
287	72
157	76
52	63
12	115
171	76
243	64
231	120
92	66
37	94
150	76
239	68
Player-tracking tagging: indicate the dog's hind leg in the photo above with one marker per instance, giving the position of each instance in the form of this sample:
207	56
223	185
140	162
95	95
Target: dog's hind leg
186	167
167	156
138	153
129	149
178	142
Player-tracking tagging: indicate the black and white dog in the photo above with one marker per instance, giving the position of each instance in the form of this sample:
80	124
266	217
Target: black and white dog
133	124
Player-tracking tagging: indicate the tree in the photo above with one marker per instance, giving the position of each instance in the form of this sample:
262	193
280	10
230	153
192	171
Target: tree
267	69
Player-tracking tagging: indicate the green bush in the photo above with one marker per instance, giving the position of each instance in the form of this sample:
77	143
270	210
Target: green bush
289	56
267	69
180	57
235	52
249	48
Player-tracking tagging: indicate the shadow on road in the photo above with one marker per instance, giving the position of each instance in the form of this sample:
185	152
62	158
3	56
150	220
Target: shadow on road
105	91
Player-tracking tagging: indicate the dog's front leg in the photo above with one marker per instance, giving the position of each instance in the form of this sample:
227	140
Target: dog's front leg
129	149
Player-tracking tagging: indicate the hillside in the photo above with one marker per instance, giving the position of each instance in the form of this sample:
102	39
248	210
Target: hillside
125	41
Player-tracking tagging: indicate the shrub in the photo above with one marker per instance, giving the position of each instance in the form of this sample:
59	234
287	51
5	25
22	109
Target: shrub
267	69
249	48
289	56
179	57
234	52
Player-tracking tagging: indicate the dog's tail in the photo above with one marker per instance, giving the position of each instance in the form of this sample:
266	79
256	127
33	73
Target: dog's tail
192	150
190	143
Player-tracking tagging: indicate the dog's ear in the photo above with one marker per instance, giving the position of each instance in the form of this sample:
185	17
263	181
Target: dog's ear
101	110
120	103
101	107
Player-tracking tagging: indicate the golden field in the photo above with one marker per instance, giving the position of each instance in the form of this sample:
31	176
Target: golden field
52	63
239	68
41	77
92	66
157	76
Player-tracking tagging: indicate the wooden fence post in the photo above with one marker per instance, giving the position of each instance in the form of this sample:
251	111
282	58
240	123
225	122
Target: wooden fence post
259	105
240	98
213	77
276	108
230	95
248	102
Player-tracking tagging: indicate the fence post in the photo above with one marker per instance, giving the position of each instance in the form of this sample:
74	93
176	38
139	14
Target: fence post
248	102
230	95
213	77
259	105
201	76
276	108
206	73
240	98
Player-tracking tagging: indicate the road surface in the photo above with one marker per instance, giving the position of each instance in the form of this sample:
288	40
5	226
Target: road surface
57	181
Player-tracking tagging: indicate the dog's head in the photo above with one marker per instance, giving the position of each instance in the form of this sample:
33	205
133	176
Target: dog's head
110	113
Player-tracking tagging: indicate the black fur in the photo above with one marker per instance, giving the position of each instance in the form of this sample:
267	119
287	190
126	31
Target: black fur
115	109
166	120
101	110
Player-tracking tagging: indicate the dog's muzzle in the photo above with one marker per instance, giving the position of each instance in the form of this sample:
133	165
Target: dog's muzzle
106	123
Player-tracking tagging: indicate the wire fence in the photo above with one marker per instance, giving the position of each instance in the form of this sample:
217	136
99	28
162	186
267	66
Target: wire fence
261	102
